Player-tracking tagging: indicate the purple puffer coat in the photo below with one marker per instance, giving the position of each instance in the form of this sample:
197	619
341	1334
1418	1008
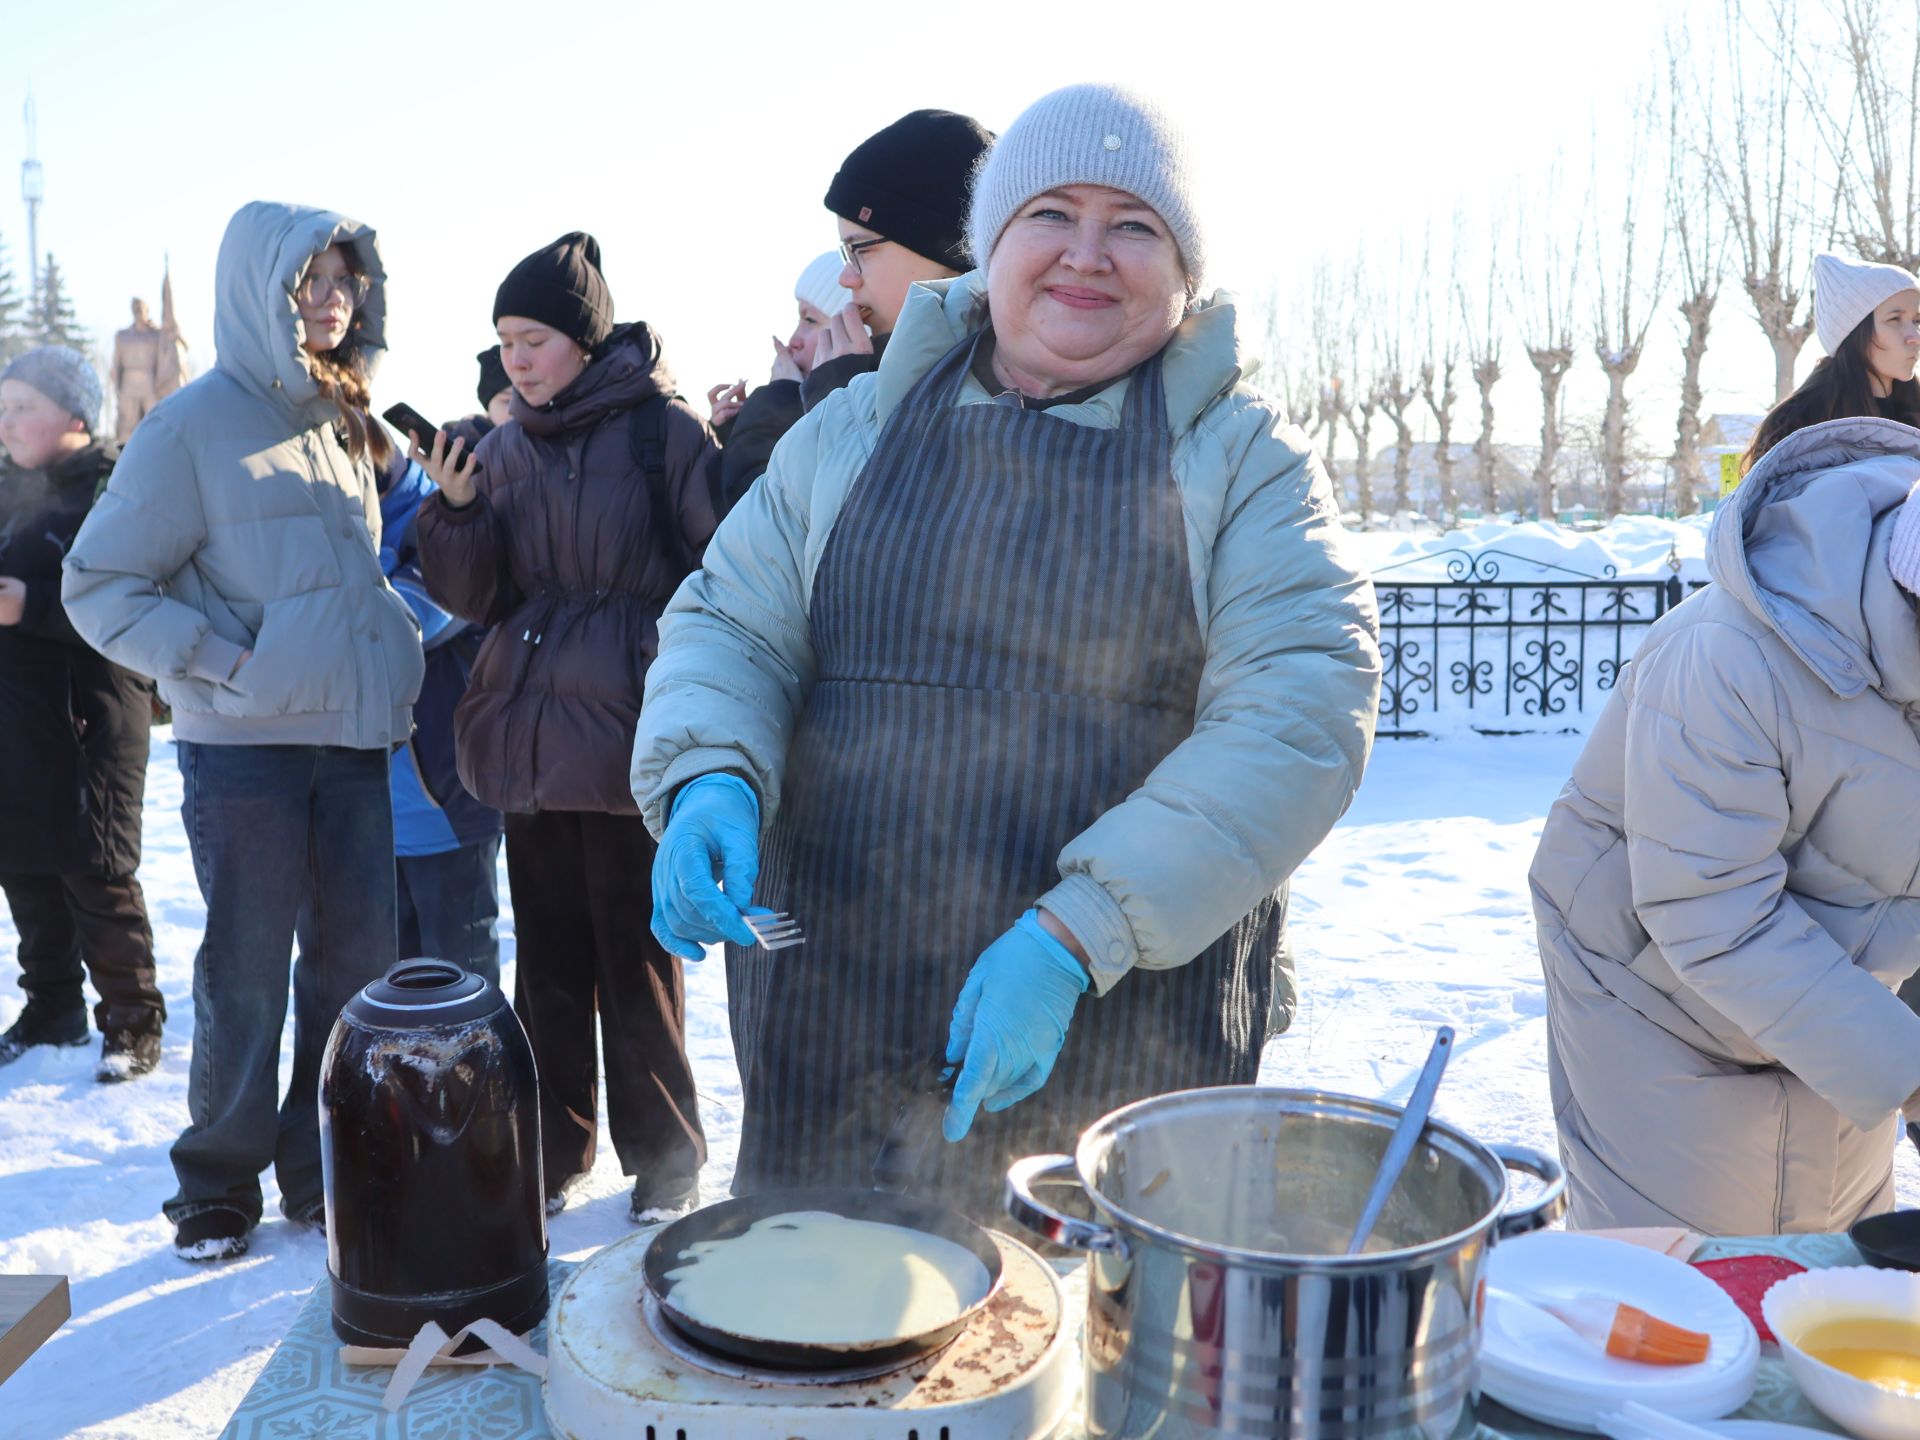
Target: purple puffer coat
559	553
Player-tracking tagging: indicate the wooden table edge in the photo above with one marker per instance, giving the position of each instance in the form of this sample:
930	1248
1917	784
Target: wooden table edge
43	1303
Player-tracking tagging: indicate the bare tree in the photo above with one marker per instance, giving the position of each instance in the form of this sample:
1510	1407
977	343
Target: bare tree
1876	196
1361	408
1699	239
1625	301
1397	386
1483	360
1331	325
1287	368
1397	393
1549	282
1436	387
1766	196
1441	357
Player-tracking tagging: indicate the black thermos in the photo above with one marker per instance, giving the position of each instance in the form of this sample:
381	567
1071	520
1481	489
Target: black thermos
430	1147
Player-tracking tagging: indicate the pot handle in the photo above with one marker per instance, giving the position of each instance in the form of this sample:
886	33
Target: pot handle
1024	1176
1551	1205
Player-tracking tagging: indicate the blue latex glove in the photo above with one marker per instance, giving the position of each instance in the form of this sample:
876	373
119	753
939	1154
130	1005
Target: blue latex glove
1011	1021
715	824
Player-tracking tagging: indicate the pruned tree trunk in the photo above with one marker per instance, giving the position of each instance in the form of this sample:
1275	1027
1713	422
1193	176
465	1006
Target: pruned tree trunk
1332	407
1618	364
1397	398
1774	304
1359	417
1441	398
1486	374
1553	364
1685	466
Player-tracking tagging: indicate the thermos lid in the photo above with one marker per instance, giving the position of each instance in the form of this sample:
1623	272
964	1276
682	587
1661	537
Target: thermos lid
424	992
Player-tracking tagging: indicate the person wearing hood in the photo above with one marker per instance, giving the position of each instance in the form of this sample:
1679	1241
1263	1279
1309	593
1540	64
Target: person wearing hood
1725	890
566	532
73	770
234	557
1023	679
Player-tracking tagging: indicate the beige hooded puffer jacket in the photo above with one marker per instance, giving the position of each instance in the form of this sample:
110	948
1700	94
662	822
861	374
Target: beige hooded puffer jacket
1726	889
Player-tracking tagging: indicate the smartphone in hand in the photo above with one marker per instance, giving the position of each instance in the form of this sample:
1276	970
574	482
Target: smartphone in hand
409	421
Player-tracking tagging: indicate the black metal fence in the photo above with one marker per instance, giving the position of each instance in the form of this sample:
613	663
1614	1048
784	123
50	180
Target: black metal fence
1505	656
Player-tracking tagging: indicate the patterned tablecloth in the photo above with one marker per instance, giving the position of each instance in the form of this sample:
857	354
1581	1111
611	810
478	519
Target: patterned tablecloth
305	1393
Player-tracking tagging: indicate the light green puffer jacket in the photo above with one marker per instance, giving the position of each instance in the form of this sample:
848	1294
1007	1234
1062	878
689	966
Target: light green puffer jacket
236	520
1287	695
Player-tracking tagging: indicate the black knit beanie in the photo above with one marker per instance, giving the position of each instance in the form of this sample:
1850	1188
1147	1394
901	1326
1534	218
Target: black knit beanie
561	285
493	373
910	183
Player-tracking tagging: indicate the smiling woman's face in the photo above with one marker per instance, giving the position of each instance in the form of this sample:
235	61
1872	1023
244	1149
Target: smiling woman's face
1085	283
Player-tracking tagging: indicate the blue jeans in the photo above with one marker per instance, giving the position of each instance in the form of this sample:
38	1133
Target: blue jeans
271	826
448	903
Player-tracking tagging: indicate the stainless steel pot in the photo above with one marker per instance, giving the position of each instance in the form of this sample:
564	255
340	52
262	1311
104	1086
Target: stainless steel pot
1218	1299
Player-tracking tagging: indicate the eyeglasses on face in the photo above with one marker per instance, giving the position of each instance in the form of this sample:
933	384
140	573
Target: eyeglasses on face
852	250
318	289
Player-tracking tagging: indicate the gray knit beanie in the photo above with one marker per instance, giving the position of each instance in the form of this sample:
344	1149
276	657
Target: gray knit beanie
1845	292
66	377
1089	135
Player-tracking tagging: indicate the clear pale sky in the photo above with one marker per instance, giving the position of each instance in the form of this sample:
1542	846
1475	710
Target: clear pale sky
696	143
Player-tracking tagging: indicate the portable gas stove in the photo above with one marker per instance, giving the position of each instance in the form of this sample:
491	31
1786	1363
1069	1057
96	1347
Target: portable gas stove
617	1370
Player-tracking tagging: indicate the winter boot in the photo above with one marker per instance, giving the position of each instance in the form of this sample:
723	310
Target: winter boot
557	1196
129	1046
653	1203
217	1234
37	1027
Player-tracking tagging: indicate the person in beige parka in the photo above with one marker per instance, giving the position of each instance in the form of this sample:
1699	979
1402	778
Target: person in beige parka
1728	889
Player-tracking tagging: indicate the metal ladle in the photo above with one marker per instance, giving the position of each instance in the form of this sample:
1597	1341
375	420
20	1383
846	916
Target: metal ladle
1413	1120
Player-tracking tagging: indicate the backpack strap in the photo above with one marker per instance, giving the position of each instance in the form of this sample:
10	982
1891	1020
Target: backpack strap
647	442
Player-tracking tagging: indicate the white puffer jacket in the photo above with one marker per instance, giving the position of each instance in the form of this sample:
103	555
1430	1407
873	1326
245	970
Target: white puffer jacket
236	520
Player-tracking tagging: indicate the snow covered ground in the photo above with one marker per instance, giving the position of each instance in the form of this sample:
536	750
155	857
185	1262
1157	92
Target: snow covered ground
1414	911
1637	546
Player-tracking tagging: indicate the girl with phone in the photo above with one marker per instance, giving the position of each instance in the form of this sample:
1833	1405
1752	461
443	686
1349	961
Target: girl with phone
584	513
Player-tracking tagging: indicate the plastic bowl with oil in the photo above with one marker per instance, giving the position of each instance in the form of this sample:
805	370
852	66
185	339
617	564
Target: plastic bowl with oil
1857	1308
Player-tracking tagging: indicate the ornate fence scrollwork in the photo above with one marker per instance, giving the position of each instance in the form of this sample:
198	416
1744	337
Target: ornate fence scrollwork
1507	654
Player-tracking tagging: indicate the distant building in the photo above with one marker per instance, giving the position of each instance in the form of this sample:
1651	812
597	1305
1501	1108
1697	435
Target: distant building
1723	440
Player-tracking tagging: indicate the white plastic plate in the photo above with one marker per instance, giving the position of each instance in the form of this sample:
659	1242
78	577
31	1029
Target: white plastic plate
1533	1364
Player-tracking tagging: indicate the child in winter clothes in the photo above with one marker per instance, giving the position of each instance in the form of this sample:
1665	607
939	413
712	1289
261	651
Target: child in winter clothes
73	769
446	843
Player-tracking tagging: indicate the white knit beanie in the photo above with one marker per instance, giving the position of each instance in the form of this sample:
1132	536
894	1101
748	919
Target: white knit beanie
1089	135
819	284
1845	292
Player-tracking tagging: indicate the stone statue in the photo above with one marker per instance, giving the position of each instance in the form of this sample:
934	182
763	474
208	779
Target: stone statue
149	363
136	370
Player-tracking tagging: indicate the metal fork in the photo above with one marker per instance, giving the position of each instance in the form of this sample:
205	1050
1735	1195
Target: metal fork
774	929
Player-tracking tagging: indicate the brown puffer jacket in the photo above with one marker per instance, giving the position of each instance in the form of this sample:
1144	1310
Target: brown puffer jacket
560	554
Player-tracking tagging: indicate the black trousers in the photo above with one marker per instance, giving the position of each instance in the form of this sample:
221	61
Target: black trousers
66	922
582	902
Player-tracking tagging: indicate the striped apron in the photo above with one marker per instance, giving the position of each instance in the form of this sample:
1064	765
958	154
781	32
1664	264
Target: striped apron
1003	625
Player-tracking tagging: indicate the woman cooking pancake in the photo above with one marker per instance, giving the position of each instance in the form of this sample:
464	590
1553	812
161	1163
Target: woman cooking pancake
1028	673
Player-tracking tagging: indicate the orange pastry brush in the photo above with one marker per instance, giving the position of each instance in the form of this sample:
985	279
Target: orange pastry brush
1624	1331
